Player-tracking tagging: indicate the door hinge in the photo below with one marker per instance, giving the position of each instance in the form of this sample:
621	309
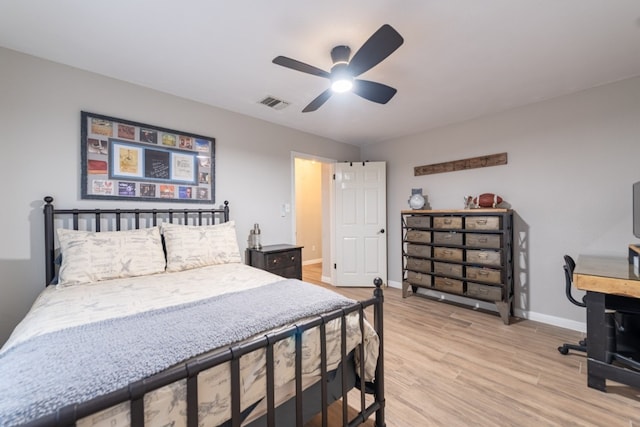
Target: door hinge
335	266
334	176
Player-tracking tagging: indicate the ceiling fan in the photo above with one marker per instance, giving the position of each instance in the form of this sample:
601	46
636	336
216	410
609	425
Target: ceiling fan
344	72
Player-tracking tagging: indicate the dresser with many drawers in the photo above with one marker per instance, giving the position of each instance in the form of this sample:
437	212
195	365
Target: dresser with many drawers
468	253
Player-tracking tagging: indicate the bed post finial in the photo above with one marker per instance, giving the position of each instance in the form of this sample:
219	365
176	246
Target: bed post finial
48	200
226	211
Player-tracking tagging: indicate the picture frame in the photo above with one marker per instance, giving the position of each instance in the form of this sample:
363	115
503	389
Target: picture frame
126	160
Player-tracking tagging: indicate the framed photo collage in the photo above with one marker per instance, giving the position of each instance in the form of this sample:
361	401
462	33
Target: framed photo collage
122	159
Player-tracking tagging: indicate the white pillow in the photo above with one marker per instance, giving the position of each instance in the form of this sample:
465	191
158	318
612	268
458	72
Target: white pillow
190	246
93	256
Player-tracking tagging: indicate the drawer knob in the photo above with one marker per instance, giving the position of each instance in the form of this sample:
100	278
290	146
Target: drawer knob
293	258
275	261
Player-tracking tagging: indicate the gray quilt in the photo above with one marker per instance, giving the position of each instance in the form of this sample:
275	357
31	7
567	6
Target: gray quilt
76	364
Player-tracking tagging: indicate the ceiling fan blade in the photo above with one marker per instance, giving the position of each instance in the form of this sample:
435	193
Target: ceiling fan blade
300	66
317	103
376	92
380	45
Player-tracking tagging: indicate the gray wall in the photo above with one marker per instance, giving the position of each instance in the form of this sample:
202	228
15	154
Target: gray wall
571	163
40	104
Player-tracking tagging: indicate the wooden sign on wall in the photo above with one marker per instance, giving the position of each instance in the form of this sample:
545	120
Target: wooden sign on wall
458	165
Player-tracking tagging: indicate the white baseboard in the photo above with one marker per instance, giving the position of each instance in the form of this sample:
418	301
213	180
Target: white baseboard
312	261
518	312
552	320
326	279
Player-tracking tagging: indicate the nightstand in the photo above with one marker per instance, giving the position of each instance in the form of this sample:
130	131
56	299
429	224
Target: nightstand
283	260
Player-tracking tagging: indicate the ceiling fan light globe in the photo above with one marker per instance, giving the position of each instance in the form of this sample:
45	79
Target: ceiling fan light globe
343	85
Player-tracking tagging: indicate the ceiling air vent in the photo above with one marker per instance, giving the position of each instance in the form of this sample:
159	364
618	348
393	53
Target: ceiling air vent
275	103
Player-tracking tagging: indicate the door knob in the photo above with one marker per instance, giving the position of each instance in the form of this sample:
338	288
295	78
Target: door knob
382	230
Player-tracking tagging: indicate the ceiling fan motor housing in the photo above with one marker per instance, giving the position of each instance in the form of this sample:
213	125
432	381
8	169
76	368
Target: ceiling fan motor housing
340	54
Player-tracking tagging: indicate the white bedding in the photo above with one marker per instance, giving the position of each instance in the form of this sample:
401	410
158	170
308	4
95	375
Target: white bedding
63	307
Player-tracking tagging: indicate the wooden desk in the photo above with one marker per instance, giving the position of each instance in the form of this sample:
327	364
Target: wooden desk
611	284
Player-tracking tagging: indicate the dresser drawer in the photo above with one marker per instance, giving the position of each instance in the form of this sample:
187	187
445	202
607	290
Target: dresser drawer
482	223
450	254
447	269
483	240
447	238
418	236
448	285
483	257
419	221
417	264
486	292
484	274
416	278
419	250
451	222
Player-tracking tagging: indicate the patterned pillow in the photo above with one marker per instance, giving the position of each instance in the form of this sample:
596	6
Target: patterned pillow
191	246
93	256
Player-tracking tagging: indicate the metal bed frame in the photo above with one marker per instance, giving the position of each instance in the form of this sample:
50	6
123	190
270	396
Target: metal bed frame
304	404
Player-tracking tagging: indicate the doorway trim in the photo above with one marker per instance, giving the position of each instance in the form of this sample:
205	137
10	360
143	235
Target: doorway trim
327	208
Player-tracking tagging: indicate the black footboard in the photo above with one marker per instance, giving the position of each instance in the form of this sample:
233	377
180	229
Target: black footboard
190	369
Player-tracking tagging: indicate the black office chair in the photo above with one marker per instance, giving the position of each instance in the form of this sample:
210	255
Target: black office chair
569	266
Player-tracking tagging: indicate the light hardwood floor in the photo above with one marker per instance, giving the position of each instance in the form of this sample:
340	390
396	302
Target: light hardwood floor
452	366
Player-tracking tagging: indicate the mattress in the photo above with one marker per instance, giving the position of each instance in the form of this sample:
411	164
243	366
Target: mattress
63	307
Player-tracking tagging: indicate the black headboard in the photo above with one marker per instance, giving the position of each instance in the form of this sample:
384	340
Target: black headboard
116	220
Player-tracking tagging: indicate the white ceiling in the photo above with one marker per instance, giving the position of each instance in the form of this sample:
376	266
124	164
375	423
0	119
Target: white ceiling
461	59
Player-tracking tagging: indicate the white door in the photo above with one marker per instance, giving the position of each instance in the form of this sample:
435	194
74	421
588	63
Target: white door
361	222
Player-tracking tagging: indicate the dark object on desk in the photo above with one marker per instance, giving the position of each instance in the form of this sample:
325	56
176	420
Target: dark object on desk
283	260
569	266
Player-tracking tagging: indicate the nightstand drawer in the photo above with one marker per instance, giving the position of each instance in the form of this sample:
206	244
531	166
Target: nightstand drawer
282	260
289	272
